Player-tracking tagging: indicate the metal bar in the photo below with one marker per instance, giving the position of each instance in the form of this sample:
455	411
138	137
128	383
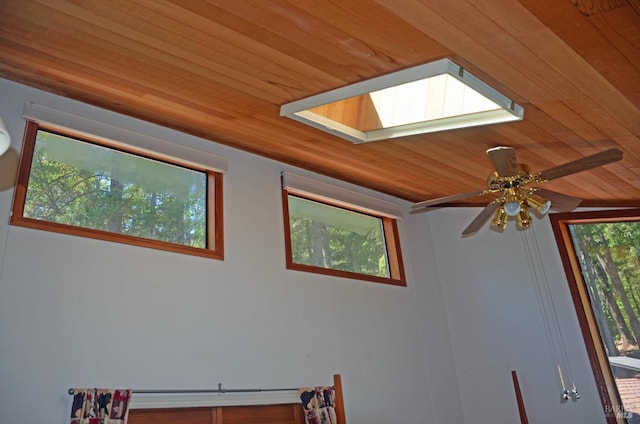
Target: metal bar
220	389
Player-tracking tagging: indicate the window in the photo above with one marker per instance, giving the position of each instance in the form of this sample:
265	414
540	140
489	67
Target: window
600	252
329	238
435	96
85	187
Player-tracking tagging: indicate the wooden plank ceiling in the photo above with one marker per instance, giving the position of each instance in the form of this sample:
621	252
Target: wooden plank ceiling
222	69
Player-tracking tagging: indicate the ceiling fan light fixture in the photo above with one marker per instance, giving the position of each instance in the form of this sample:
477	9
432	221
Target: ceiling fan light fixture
435	96
512	206
499	221
524	219
512	179
539	204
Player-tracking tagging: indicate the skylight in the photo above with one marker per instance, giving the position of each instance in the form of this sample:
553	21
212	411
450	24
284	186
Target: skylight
433	97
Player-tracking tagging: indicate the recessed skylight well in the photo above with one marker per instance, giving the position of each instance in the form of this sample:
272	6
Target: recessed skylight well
432	97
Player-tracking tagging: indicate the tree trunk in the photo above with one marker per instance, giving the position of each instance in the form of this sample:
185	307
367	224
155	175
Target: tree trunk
150	223
635	300
598	307
611	269
180	227
626	335
321	251
116	214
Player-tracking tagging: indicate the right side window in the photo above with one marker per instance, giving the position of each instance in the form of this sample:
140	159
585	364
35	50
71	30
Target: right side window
330	239
601	254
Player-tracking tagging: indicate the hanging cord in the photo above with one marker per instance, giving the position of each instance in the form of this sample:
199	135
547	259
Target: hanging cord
547	286
543	292
550	340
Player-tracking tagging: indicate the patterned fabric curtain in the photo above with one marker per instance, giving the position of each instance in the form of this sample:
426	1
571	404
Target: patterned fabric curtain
100	406
318	404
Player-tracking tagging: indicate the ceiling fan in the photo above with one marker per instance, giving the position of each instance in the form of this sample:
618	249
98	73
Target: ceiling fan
511	180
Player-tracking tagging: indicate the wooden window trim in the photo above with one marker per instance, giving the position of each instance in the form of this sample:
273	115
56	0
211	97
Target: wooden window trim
215	237
560	222
391	237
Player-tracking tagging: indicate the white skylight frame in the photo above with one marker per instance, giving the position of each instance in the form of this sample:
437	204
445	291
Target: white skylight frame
300	109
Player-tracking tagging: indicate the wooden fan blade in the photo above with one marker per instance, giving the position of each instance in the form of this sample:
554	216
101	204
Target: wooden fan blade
559	202
587	162
504	160
446	199
481	219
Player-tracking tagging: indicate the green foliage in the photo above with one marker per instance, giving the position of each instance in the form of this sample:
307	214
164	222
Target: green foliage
610	258
126	198
339	248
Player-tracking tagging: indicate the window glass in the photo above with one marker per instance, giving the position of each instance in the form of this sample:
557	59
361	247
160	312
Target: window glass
334	240
600	252
72	182
608	254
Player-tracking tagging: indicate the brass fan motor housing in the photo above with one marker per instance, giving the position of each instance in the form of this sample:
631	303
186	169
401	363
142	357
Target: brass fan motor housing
522	178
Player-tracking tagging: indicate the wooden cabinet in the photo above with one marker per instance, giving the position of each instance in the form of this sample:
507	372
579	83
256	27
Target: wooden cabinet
254	414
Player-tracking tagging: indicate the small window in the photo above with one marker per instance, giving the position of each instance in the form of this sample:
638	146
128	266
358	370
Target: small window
73	185
330	239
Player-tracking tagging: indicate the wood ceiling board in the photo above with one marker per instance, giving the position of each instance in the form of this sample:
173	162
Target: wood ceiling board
610	126
493	51
448	173
609	73
139	61
120	84
587	35
221	71
219	43
363	20
303	31
584	130
622	28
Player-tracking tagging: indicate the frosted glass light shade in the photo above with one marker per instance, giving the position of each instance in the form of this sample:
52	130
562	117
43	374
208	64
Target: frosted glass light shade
512	208
5	139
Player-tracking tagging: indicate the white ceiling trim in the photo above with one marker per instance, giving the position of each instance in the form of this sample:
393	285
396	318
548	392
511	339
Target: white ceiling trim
116	134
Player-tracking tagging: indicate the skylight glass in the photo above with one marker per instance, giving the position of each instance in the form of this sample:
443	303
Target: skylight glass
433	97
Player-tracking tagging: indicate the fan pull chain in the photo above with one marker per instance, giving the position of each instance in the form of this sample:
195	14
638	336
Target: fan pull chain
550	340
543	292
565	392
574	391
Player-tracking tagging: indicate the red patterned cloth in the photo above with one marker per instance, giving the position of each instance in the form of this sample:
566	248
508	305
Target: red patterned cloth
318	404
100	406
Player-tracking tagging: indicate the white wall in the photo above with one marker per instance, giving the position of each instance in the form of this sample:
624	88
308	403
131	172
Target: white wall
82	312
77	312
497	323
